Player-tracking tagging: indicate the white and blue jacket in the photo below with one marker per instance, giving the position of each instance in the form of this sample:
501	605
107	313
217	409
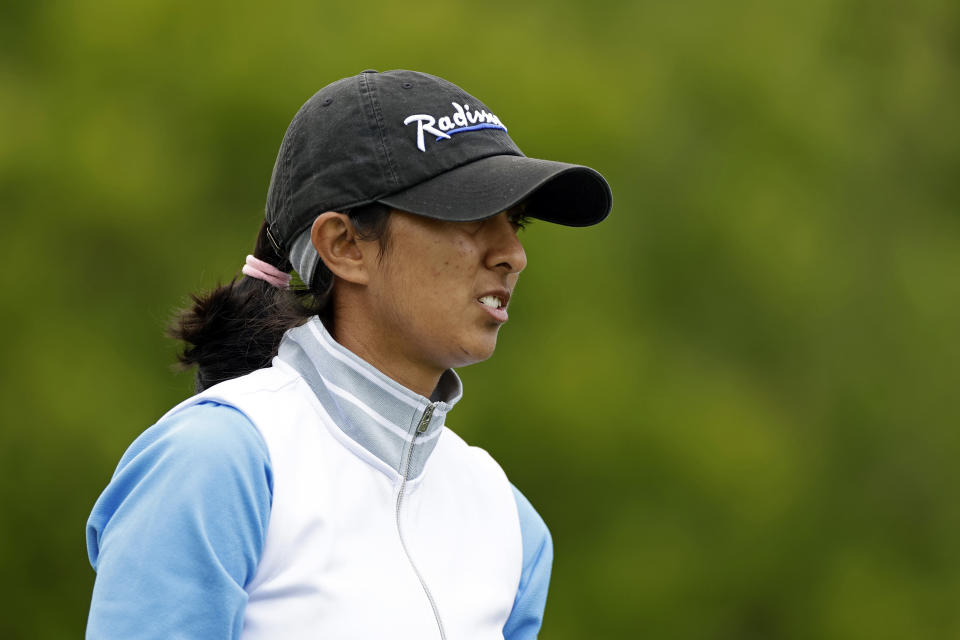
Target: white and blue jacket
316	498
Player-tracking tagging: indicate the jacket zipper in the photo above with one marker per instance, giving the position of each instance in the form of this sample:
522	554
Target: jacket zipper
421	427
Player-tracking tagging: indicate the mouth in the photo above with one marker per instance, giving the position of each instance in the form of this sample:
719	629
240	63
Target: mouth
495	303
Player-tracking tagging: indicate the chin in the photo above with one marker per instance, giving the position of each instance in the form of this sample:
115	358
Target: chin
476	352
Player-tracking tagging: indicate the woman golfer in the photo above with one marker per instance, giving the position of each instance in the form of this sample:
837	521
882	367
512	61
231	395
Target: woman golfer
310	489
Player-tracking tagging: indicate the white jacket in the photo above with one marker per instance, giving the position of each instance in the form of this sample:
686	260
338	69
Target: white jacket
382	522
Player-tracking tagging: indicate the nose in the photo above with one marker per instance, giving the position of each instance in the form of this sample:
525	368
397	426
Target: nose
505	251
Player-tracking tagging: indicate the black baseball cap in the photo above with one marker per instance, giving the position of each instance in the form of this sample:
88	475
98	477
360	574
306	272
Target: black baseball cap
417	143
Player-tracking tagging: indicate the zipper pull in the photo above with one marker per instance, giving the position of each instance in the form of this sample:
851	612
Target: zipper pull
425	419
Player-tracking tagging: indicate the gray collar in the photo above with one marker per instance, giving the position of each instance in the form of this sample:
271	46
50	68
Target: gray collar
397	425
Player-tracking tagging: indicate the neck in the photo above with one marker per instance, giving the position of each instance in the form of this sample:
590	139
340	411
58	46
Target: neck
377	348
375	411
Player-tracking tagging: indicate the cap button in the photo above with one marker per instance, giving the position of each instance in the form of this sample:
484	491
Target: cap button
369	71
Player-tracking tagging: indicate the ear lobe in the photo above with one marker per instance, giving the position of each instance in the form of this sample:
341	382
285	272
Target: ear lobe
335	239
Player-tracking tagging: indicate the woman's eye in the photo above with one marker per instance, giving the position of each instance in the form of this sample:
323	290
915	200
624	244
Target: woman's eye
519	222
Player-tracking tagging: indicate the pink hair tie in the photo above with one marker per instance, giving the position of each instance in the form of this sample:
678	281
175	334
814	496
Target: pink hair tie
257	268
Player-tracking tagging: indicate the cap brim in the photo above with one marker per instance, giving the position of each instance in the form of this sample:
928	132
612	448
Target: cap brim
567	194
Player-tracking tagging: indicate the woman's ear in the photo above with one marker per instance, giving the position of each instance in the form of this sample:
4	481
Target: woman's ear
336	241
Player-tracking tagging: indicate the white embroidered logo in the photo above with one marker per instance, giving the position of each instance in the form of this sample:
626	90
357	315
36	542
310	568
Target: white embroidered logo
462	120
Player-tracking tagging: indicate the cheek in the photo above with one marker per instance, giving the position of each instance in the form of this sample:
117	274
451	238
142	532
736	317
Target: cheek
430	280
450	262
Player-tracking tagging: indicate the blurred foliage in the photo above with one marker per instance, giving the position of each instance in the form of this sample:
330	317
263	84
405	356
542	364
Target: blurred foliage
733	402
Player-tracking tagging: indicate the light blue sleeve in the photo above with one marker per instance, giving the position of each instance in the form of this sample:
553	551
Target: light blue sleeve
178	532
527	615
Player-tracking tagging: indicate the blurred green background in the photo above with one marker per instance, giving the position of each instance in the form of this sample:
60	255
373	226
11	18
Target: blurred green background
733	402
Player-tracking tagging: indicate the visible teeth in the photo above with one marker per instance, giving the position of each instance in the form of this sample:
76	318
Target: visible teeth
491	301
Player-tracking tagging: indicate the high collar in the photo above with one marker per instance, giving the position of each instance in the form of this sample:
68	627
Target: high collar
381	415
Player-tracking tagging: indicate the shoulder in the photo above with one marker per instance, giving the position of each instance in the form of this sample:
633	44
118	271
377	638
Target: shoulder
537	542
472	464
457	446
476	460
276	378
529	518
208	433
201	461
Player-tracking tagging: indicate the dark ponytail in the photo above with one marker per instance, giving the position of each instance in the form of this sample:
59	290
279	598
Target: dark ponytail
236	328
